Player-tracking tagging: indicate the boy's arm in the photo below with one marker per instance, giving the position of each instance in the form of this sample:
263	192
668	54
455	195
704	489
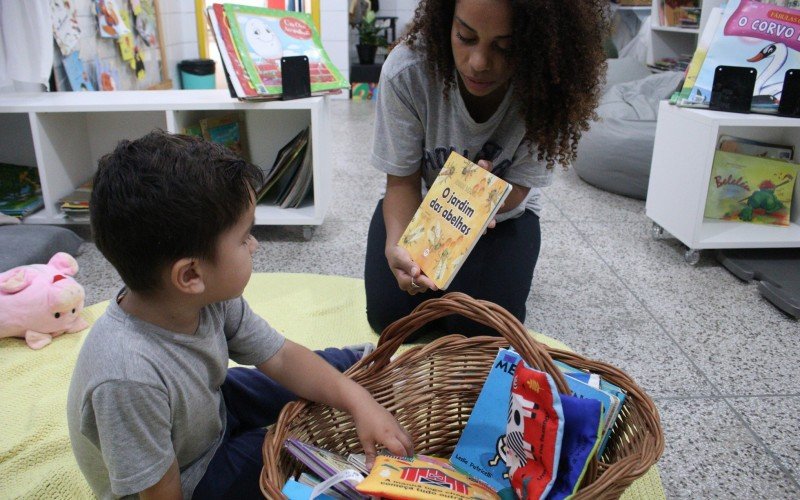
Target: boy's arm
169	487
310	377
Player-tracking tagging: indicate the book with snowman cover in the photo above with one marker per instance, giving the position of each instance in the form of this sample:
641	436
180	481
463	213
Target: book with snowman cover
460	203
252	41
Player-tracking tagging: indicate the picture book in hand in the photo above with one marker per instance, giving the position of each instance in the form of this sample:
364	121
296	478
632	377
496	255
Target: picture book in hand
755	35
252	41
455	212
747	188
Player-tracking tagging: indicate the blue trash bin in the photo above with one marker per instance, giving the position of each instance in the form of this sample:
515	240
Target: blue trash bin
197	74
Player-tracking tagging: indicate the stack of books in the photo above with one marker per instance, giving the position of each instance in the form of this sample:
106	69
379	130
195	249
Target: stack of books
20	190
75	206
288	183
252	41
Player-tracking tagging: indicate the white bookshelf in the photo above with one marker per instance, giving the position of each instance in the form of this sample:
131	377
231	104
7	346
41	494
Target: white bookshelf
673	41
64	135
683	154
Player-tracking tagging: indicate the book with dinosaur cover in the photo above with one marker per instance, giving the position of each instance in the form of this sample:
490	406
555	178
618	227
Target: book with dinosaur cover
756	35
252	40
459	205
748	188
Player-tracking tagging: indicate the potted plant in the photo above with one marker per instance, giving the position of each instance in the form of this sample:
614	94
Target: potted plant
369	38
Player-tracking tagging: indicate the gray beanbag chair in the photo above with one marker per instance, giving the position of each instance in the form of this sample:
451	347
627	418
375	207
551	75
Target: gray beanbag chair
616	152
24	244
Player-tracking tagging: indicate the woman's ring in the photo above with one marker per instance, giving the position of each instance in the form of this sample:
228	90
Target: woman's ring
414	284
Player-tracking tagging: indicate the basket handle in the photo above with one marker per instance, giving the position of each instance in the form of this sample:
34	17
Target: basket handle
481	311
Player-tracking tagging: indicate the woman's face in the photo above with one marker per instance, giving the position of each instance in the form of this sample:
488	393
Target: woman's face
481	40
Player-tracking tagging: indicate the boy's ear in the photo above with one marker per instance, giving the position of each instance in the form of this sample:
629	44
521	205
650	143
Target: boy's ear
185	276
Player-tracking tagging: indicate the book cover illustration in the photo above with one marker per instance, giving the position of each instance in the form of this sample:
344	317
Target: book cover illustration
459	205
232	65
20	190
534	432
752	34
262	36
421	477
750	189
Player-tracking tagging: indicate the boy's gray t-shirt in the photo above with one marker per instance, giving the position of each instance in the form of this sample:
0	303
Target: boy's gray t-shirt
141	395
415	127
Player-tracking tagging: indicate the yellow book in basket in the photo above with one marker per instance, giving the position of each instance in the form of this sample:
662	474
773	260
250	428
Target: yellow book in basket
454	214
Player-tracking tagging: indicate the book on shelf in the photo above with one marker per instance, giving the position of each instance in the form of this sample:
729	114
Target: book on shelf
755	35
754	189
20	190
422	477
252	41
699	55
76	204
289	181
751	147
482	448
453	215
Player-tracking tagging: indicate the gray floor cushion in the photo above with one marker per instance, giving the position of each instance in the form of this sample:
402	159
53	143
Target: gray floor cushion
615	154
24	244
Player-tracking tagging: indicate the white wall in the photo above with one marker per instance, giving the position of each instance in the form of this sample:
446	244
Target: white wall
180	34
403	10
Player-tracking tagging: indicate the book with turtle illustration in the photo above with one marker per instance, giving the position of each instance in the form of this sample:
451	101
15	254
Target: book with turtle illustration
460	203
748	188
755	35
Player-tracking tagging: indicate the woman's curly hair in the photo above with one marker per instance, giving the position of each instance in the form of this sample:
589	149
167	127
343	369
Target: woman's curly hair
558	58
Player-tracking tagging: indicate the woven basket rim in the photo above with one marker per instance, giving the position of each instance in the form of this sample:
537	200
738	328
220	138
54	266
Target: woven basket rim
638	437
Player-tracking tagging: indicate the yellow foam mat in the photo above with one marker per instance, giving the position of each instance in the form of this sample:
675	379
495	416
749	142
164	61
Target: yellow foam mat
36	460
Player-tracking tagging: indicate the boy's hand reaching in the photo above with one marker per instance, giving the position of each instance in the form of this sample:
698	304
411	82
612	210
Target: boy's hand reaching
376	426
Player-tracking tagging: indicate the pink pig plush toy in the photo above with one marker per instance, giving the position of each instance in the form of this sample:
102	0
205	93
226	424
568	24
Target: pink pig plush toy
41	301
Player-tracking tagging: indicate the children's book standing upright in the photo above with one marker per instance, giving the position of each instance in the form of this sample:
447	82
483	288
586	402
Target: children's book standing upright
750	189
453	215
252	41
757	35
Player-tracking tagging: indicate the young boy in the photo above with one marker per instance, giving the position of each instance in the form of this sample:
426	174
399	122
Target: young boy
152	408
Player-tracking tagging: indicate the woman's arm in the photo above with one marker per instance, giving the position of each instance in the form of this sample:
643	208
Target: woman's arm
310	377
403	196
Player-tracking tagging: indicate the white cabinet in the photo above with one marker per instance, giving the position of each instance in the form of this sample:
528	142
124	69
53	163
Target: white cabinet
679	174
674	41
64	134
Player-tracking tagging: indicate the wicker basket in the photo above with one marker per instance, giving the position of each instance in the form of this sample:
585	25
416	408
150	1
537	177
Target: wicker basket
432	388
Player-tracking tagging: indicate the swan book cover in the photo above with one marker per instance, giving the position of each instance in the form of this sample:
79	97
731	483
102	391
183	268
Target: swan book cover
252	41
460	203
752	34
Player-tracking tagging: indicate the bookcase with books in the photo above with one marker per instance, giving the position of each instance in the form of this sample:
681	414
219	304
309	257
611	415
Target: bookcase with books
64	135
683	157
672	39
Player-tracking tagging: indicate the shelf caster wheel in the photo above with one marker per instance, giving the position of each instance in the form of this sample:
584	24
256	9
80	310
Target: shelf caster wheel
308	232
692	256
656	231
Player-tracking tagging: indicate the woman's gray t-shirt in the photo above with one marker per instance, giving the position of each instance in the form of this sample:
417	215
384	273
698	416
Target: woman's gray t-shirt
415	127
141	395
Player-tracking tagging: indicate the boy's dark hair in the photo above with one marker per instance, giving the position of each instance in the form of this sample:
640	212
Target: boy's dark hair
559	61
165	197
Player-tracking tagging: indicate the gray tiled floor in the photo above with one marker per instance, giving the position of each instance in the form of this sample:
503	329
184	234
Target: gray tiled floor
717	358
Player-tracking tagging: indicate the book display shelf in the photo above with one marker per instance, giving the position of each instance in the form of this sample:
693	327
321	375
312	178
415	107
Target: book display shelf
683	155
64	134
675	41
